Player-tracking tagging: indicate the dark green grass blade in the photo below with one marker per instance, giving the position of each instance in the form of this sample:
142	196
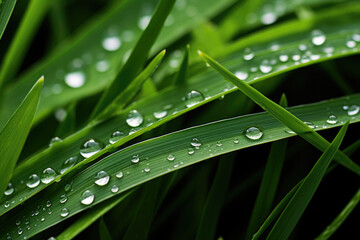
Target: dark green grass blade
67	126
104	231
130	91
297	205
269	183
215	199
182	74
138	55
281	114
6	9
336	223
14	134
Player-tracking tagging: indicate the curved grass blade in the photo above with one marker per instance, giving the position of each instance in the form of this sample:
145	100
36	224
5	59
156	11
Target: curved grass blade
289	120
6	9
14	134
155	153
297	205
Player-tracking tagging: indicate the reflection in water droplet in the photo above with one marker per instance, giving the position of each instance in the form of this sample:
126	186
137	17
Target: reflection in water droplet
102	178
33	181
143	22
119	175
171	157
353	110
253	133
112	43
68	164
75	79
48	175
9	190
332	119
90	147
134	118
54	141
116	136
318	37
241	75
193	98
87	197
64	212
114	189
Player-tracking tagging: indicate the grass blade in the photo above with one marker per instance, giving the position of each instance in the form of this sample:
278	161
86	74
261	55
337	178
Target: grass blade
14	134
297	205
138	55
6	9
104	231
182	74
281	114
67	125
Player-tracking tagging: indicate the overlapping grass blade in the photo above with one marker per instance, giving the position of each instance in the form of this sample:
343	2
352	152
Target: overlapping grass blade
6	9
14	134
104	231
298	203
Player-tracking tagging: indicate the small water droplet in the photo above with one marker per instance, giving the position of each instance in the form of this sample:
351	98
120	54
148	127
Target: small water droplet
75	79
33	181
284	58
87	197
171	157
351	44
90	147
147	169
64	212
68	187
356	37
135	158
248	54
111	43
265	67
191	151
302	47
6	204
18	222
68	164
116	136
102	178
63	198
296	57
193	98
48	203
114	189
268	18
318	37
9	190
160	114
48	175
102	66
310	124
143	22
134	118
253	133
219	143
54	141
236	140
20	231
332	119
120	174
195	142
241	75
353	110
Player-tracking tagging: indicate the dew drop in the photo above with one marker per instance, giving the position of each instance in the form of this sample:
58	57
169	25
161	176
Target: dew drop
54	141
318	37
64	212
90	147
48	203
171	157
351	44
102	66
63	198
120	174
147	169
248	54
68	164
268	18
48	175
332	119
116	136
265	67
236	140
310	124
241	75
193	98
253	133
102	178
87	197
195	142
353	110
75	79
144	22
160	114
356	37
111	43
9	190
191	151
33	181
284	58
135	158
6	204
114	189
134	118
219	143
20	231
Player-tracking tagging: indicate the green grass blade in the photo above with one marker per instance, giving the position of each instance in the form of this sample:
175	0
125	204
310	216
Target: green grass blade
6	9
91	216
265	198
25	33
336	223
215	199
130	91
14	134
297	205
104	231
182	74
281	114
333	72
67	125
138	55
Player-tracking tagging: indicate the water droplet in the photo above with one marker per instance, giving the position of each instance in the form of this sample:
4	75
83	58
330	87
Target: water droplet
64	212
265	67
87	197
54	141
114	189
48	203
111	43
351	44
6	204
268	18
195	142
318	37
63	198
134	118
310	124
283	58
48	175
102	66
302	47
135	158
119	174
296	57
356	37
236	140
191	151
160	114
90	147
241	75
253	133
353	110
219	143
193	98
9	190
171	157
51	238
143	22
102	178
68	164
33	181
147	169
332	119
68	187
18	222
248	54
116	136
20	231
60	114
75	79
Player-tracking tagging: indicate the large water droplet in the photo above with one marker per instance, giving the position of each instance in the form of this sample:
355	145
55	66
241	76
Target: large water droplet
195	142
114	189
33	181
68	164
135	158
193	98
102	178
351	44
90	147
54	141
144	22
9	190
87	197
171	157
353	110
318	37
111	43
48	175
75	79
63	198
64	212
134	118
253	133
116	136
332	119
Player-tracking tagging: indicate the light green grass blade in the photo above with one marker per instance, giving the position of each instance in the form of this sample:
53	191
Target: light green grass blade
104	231
154	155
289	120
6	9
336	223
138	55
91	216
14	134
297	205
15	54
130	91
265	198
67	125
